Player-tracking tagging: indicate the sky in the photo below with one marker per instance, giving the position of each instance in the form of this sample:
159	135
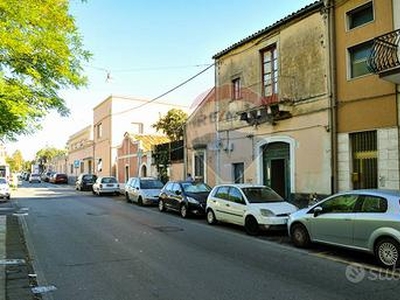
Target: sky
144	48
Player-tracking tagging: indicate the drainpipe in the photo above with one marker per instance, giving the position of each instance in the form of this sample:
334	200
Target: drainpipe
330	7
217	159
185	152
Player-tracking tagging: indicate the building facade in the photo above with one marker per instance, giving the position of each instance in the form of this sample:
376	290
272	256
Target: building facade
80	152
115	116
367	106
201	147
134	156
273	107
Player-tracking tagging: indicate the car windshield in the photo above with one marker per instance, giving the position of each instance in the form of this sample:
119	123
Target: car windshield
195	187
151	184
261	195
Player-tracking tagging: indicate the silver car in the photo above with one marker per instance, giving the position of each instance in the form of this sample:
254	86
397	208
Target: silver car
143	190
366	220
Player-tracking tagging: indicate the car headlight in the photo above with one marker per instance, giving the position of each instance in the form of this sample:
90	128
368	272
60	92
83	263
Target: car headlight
192	200
266	213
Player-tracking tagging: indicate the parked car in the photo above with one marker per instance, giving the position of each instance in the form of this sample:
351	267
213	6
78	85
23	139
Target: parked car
143	190
46	176
59	178
85	182
253	206
33	177
105	185
185	197
4	189
366	220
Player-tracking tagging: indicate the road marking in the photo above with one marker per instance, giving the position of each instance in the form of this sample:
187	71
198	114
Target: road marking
43	289
12	262
376	269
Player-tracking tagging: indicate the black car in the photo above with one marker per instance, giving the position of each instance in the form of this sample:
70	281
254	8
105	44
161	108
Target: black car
185	197
84	182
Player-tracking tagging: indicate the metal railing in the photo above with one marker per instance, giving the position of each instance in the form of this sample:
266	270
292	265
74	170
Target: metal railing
385	53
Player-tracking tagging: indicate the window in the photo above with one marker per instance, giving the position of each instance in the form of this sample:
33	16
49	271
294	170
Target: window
340	204
99	130
235	196
360	16
199	165
358	56
238	173
236	89
372	204
100	165
270	71
222	192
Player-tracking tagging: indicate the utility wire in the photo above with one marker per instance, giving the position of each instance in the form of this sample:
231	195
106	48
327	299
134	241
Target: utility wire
167	92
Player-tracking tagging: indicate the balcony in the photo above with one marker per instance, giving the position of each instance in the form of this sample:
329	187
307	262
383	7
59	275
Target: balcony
385	56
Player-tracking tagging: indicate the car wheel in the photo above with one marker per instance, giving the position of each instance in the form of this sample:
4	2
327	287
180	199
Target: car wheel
8	197
211	217
387	252
140	201
183	211
93	192
300	236
127	198
161	206
251	226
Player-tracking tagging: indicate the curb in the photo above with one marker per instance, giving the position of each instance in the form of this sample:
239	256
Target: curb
2	256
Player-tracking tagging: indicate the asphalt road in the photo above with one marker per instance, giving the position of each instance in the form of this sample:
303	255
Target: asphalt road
91	247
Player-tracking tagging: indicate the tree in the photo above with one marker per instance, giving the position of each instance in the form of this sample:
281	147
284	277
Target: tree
172	124
41	53
15	161
45	155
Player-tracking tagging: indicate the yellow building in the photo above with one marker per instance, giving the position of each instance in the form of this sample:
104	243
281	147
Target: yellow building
80	152
367	107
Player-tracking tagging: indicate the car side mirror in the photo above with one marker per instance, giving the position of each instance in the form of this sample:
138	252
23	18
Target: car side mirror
178	192
317	211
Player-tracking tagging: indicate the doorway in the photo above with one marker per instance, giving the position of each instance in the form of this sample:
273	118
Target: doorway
276	167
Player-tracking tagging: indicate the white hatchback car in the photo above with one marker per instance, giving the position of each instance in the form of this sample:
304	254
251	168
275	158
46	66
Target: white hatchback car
4	189
253	206
106	185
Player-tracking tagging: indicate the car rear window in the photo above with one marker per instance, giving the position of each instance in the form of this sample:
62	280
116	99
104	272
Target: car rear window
151	184
109	180
261	195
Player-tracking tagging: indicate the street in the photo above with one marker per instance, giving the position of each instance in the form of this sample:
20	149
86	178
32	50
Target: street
91	247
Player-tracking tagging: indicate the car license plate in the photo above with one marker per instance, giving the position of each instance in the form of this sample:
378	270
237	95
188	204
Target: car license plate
110	185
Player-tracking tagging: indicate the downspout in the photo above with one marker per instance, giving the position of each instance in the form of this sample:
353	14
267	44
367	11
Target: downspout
185	154
332	90
217	134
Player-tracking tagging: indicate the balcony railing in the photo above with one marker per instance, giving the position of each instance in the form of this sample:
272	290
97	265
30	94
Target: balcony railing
385	54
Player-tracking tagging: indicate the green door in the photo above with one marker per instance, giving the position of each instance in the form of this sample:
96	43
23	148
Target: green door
276	167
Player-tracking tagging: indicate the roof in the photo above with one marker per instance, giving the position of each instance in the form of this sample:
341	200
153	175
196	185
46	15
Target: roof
149	140
307	9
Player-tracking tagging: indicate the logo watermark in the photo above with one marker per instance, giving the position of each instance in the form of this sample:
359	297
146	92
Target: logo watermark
356	273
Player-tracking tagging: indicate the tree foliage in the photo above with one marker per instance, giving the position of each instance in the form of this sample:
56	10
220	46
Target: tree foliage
15	161
41	52
172	124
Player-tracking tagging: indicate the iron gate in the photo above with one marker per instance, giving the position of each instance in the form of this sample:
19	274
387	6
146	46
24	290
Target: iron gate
365	159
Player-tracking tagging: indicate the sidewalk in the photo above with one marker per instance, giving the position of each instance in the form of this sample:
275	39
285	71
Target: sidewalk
2	256
15	283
